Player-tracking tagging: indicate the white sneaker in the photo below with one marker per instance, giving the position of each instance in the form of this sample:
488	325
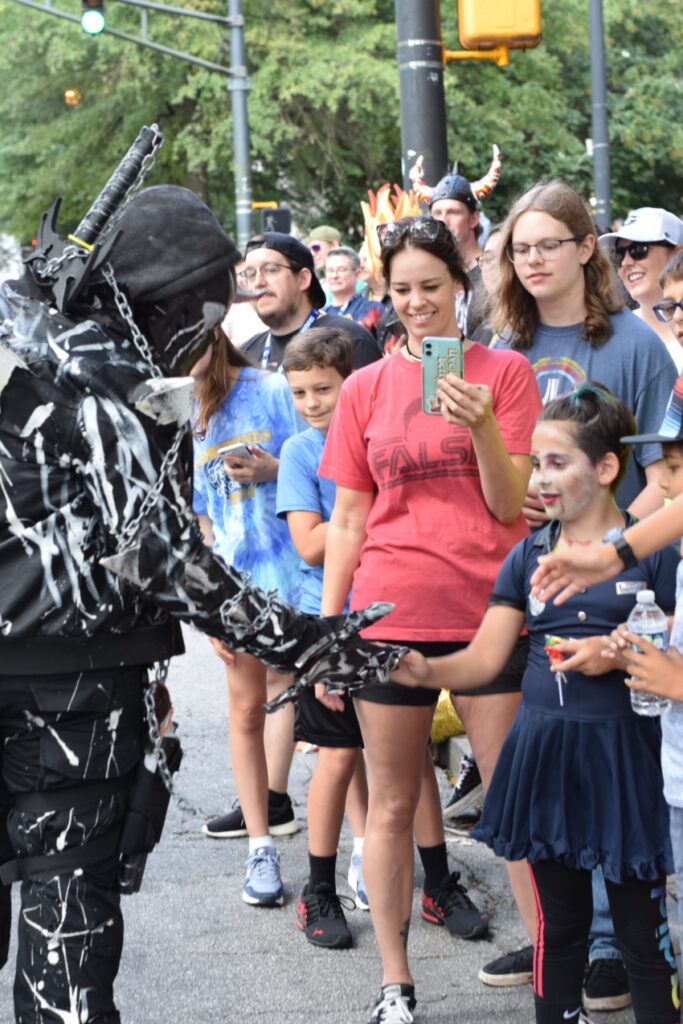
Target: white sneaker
394	1005
263	885
357	882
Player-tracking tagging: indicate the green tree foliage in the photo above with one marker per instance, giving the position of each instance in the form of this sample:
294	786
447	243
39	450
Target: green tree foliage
324	106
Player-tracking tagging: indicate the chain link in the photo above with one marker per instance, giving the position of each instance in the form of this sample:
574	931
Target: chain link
159	677
123	306
50	267
153	493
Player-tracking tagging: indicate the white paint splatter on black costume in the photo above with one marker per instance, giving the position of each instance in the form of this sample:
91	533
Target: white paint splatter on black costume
83	438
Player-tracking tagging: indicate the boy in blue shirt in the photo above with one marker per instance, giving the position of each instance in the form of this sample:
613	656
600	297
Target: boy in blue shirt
316	364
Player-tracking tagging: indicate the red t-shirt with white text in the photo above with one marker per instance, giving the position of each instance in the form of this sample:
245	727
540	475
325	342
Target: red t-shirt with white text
432	546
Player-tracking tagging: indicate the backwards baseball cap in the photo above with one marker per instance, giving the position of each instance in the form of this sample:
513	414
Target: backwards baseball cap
324	233
296	252
671	429
649	224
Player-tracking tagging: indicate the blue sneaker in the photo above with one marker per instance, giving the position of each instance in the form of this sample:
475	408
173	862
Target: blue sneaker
357	882
263	885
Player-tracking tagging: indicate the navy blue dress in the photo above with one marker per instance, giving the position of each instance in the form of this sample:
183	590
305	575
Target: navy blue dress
579	779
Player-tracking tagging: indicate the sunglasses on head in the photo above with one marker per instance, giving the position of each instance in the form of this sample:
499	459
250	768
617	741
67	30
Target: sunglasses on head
425	228
636	250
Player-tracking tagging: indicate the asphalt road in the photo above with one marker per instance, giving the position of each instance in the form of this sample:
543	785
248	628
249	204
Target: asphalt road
195	953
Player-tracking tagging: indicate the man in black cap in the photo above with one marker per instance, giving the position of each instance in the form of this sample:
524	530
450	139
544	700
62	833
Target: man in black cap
101	555
288	297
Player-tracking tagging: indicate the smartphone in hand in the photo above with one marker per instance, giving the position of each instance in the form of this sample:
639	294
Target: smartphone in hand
239	450
439	357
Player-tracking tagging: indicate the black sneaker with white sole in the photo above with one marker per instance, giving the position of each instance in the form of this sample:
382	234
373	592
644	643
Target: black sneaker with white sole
605	986
512	969
281	820
468	789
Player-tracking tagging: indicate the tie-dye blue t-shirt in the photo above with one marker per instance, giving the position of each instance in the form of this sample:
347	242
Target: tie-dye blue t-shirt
247	532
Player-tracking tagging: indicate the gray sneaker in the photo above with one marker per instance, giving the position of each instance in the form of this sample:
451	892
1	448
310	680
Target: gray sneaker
263	885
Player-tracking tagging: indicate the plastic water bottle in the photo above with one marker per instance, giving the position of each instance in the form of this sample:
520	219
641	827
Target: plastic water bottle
649	621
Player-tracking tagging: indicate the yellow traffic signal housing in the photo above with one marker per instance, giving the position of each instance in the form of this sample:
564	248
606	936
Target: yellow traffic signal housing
486	24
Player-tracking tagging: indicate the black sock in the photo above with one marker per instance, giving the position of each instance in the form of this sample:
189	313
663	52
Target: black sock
435	864
276	800
322	869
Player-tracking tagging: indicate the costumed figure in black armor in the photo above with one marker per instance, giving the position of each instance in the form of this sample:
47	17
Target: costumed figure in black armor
101	556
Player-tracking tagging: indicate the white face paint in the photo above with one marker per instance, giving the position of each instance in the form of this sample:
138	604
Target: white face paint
564	476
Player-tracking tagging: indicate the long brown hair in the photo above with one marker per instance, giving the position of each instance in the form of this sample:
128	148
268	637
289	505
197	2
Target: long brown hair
516	310
211	391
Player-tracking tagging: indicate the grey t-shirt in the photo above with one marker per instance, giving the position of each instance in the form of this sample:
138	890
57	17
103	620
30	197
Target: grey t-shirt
633	363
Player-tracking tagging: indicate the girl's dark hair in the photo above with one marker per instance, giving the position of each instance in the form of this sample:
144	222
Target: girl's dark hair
211	392
600	419
320	346
673	271
431	235
516	309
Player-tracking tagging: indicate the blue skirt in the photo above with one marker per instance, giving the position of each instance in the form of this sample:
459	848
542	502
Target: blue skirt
582	792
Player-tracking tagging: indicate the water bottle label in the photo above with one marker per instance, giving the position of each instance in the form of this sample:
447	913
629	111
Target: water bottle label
659	640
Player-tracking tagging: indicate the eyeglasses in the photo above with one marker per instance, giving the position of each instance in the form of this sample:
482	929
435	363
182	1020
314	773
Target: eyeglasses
548	249
267	271
338	271
486	259
636	250
426	228
666	311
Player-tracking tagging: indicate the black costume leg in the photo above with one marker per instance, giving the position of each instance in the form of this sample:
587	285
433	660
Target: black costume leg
71	742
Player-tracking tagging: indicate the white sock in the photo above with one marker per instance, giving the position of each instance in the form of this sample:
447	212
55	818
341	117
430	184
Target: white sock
257	842
358	844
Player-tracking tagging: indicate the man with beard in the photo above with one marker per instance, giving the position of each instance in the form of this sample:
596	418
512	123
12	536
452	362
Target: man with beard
288	297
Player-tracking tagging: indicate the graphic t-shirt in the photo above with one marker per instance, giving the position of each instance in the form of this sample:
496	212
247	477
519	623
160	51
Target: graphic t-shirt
247	532
300	489
632	363
432	547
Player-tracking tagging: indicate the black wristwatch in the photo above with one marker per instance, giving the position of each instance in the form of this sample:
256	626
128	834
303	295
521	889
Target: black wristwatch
624	550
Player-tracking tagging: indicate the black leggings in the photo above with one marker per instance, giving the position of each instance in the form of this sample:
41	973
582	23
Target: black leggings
564	908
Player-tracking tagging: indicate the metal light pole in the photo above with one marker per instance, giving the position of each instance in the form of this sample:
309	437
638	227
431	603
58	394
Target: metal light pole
601	179
423	103
238	84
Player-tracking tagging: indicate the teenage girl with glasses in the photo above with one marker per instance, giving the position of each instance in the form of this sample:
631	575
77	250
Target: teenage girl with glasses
426	509
558	305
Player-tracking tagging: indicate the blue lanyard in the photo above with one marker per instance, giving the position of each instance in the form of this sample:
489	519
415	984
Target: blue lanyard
308	322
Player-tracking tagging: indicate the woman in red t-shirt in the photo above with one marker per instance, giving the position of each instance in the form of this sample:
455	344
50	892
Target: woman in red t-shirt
426	509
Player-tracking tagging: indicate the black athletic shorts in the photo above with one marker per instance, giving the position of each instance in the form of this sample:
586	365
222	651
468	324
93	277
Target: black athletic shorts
509	680
314	723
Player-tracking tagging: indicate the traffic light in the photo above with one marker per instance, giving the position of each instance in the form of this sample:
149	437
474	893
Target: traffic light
92	16
485	24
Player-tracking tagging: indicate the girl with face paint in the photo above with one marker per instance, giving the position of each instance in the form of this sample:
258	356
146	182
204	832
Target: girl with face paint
578	781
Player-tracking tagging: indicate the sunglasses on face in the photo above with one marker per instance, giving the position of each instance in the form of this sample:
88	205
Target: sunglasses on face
666	311
425	228
636	250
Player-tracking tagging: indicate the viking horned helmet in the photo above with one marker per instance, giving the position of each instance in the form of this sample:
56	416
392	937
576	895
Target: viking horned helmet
454	186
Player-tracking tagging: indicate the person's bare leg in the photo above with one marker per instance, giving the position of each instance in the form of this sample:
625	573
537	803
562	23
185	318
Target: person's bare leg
326	799
357	797
278	734
395	738
487	720
428	816
247	694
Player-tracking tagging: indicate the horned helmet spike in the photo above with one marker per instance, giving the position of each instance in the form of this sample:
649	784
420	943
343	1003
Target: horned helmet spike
482	188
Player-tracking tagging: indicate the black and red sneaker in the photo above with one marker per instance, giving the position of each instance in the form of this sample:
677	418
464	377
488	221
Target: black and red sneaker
451	906
321	918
